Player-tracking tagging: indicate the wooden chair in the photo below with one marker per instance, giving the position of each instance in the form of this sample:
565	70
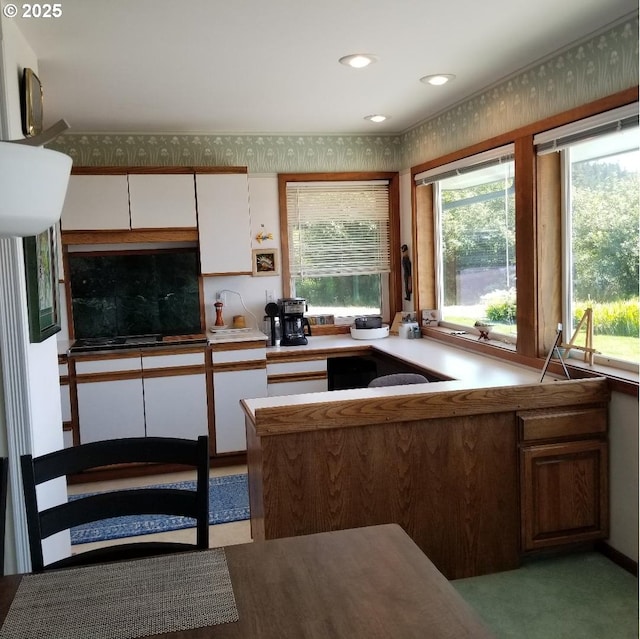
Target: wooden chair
141	501
398	379
4	479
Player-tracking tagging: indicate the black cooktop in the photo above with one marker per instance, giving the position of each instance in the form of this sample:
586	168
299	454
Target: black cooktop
87	344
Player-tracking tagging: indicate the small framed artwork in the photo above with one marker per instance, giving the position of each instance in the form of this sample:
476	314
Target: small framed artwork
265	262
41	270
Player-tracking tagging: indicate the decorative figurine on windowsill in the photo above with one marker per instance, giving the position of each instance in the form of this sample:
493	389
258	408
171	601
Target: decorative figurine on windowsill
406	269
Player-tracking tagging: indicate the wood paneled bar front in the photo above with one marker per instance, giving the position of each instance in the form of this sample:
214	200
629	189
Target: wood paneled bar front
439	459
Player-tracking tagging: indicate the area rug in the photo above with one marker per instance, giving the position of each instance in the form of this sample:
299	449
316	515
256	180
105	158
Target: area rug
228	501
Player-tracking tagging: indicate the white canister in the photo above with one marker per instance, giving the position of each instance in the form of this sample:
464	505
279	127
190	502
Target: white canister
409	330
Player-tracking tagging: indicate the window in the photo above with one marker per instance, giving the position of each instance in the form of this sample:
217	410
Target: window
475	226
339	255
601	242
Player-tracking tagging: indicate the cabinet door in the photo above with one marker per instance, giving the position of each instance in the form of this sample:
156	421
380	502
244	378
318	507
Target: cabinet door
230	386
564	493
176	406
162	201
110	409
96	202
223	223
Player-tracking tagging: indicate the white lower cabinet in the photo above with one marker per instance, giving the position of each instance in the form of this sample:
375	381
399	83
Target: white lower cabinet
238	373
176	405
153	395
110	410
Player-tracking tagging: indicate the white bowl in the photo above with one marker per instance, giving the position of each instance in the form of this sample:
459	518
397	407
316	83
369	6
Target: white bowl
370	333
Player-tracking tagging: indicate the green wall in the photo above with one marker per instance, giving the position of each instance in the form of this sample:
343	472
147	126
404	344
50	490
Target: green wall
594	68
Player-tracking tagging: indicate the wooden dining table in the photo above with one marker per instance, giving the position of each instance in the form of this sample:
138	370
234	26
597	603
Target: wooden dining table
368	583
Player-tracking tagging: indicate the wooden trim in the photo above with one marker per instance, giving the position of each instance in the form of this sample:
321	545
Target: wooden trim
100	356
281	358
282	378
172	347
237	346
549	259
111	376
617	557
526	247
246	365
64	380
395	277
376	409
423	247
124	236
155	170
199	369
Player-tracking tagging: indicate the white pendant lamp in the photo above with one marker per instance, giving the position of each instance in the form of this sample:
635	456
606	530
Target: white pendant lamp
33	185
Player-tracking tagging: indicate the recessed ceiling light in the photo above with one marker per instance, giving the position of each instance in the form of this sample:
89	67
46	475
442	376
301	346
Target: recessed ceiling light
358	60
437	80
376	118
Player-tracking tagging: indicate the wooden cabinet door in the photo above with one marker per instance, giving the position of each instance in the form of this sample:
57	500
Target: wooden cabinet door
223	223
162	201
96	202
564	493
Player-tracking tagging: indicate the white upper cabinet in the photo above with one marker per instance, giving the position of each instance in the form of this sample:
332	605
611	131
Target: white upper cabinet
96	202
223	223
162	201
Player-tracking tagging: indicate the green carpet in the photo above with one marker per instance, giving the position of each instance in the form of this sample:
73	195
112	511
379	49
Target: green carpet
579	596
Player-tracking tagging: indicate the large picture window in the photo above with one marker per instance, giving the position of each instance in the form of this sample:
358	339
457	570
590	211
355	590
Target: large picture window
601	166
474	205
338	245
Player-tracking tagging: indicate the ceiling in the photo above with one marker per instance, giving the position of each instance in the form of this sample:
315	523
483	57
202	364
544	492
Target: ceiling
271	66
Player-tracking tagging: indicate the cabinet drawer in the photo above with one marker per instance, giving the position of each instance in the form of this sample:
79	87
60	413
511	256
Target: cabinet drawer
239	355
109	365
172	361
303	366
553	423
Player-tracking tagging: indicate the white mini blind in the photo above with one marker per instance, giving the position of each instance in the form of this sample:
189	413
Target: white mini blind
564	136
482	160
338	228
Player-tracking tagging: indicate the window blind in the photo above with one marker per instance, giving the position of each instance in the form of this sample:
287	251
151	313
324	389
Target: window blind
586	129
465	165
338	228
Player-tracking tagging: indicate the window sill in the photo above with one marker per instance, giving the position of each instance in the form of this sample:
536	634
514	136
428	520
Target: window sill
620	380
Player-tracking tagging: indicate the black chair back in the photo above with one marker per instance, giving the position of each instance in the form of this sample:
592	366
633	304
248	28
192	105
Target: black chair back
95	507
398	379
4	485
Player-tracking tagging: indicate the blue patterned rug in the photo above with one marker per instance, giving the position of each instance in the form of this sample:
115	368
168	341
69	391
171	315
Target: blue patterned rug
228	501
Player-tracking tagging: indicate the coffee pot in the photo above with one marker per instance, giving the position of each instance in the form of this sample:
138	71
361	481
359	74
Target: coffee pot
295	328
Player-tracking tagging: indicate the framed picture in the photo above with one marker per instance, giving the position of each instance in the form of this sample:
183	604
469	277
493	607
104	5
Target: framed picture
31	103
41	270
265	262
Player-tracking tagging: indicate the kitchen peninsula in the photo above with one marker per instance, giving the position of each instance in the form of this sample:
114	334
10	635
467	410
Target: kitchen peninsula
479	469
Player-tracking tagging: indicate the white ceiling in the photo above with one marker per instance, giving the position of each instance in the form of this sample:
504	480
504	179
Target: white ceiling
271	66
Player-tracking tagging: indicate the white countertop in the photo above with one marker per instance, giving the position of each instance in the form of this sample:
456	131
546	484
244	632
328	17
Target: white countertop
465	369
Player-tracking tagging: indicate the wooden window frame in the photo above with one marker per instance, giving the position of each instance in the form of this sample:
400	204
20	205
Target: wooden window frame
395	280
538	246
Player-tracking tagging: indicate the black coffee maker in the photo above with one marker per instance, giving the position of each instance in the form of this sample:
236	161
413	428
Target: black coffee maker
293	325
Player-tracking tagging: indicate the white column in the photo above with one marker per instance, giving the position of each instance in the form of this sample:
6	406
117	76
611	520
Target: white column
14	363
